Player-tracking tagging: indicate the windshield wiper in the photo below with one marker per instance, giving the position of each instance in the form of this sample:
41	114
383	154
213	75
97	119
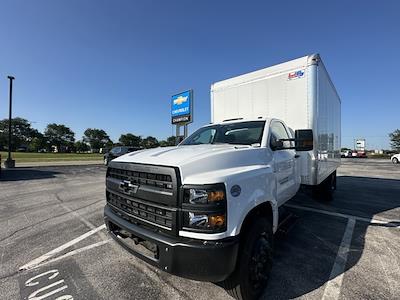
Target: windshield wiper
218	143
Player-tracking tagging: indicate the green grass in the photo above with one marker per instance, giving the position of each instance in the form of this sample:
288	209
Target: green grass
50	157
383	156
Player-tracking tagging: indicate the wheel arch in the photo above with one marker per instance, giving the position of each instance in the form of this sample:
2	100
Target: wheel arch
267	209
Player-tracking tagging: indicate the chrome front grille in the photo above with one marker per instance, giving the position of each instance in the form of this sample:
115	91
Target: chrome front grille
135	211
144	194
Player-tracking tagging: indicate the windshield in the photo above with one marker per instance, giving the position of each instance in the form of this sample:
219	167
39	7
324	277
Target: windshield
243	133
116	150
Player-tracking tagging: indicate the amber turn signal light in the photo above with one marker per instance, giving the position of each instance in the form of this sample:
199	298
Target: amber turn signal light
214	196
216	220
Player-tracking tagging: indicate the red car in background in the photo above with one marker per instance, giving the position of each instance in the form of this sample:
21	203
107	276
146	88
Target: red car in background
353	154
361	154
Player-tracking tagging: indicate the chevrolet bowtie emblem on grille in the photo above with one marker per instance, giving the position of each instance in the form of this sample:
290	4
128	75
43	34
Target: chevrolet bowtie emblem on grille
128	188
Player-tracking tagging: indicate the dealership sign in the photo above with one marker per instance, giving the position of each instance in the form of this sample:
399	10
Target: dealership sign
360	144
181	108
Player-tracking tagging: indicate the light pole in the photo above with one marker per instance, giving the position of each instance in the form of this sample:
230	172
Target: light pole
10	163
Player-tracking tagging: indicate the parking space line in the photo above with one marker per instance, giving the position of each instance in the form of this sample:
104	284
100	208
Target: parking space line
336	214
333	286
53	252
76	251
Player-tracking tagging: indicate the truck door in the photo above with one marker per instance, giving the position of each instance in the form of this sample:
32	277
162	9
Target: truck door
284	163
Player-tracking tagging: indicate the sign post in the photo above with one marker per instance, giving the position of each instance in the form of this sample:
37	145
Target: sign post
10	163
182	112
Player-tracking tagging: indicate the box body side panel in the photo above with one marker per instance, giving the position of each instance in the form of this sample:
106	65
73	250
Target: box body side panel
328	126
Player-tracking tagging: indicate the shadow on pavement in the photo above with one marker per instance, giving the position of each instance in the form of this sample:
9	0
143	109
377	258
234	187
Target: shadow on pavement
18	174
305	255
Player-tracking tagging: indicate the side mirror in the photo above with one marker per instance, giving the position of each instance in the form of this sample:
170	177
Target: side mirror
304	140
276	144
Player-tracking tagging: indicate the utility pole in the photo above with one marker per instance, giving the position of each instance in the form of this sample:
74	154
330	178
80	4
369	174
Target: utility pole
10	163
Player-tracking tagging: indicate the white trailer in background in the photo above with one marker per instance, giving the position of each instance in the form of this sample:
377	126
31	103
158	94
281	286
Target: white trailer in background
299	92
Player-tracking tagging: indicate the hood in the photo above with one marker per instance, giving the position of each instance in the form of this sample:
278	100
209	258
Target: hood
196	160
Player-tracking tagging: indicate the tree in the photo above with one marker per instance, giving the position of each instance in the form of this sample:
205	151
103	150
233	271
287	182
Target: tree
96	138
163	143
395	140
60	136
171	141
22	133
38	142
109	145
130	139
150	142
81	146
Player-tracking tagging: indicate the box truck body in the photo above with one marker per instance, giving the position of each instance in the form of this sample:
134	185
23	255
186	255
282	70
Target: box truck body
299	92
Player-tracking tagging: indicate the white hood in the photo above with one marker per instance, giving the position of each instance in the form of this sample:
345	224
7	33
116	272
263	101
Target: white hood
201	163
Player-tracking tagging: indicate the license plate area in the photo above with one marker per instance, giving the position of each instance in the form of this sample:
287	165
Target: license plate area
135	243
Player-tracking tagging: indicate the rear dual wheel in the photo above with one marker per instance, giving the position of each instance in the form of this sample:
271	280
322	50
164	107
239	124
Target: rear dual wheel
324	191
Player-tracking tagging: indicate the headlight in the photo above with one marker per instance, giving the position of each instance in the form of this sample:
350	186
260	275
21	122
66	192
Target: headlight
204	208
205	221
202	196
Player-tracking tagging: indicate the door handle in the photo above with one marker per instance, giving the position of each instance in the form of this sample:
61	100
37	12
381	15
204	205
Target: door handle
296	156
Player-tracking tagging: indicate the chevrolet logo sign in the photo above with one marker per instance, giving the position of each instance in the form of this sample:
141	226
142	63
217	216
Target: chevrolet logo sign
128	188
180	100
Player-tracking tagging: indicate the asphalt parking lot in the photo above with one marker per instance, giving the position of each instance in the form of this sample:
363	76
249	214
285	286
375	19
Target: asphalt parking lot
53	244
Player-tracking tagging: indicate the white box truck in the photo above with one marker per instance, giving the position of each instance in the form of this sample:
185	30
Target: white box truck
208	208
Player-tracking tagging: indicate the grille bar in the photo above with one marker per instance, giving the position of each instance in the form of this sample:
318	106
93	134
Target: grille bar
145	195
143	178
146	212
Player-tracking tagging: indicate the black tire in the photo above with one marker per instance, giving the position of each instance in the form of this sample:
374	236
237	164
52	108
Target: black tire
395	160
324	191
254	262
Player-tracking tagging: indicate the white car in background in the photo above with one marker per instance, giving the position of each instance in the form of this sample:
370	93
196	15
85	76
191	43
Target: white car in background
395	158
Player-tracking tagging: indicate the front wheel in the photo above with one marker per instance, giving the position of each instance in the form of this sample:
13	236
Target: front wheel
395	160
254	263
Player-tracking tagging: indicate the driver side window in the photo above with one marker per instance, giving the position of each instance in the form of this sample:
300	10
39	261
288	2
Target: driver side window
277	132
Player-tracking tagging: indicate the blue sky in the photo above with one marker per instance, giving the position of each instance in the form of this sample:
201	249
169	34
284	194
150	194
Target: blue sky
115	64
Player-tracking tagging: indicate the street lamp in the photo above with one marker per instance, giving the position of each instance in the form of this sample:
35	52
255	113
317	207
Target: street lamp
10	163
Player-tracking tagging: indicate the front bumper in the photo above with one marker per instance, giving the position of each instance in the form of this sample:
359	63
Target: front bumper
194	259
